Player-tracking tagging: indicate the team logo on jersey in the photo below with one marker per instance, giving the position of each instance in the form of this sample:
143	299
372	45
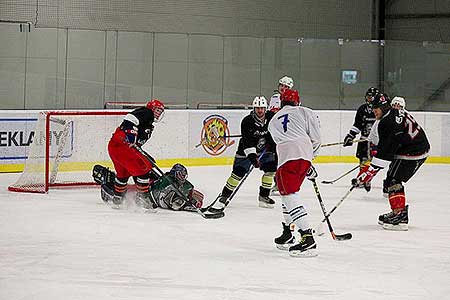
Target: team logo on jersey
215	135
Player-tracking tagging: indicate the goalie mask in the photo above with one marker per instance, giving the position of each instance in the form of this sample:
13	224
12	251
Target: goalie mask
179	172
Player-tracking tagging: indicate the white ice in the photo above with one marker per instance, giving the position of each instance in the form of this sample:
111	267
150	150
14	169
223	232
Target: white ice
68	245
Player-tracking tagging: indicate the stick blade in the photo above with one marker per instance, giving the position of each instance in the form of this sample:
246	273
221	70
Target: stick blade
327	182
343	237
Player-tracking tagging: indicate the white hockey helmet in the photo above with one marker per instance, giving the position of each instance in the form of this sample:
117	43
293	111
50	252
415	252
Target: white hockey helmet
259	101
398	100
287	81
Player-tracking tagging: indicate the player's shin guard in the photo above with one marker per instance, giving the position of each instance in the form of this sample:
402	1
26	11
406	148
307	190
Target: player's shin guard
296	210
143	197
120	188
264	190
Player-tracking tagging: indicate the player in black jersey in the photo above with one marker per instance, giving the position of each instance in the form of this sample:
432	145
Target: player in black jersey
364	120
256	148
404	147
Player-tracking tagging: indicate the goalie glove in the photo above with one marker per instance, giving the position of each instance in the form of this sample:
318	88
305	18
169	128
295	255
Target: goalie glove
366	175
196	198
348	140
311	174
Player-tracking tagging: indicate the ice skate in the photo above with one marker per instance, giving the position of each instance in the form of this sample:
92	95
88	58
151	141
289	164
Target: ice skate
396	221
116	202
266	202
306	247
218	205
286	239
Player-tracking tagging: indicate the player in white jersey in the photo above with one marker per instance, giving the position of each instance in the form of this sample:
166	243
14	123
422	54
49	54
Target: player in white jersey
284	83
296	131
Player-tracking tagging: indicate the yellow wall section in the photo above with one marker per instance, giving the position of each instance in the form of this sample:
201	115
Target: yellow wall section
208	161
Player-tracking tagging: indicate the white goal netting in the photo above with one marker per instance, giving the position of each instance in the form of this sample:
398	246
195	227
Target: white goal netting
66	145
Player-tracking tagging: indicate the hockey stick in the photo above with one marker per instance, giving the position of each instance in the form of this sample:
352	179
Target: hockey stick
337	237
234	191
177	190
205	140
336	206
340	143
343	175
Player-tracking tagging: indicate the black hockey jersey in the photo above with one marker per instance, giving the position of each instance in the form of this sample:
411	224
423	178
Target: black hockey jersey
142	118
401	137
255	135
364	120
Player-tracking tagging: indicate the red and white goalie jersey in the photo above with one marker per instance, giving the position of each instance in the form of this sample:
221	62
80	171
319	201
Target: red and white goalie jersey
296	131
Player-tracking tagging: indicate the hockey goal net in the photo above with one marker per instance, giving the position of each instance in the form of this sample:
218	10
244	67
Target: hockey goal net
66	145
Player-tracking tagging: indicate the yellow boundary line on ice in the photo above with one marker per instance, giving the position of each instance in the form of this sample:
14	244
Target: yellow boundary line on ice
201	161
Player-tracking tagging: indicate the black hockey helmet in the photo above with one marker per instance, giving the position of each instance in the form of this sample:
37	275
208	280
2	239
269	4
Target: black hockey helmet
381	101
371	92
179	172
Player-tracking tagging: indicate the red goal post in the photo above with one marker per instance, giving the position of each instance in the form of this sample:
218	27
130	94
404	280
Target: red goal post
66	145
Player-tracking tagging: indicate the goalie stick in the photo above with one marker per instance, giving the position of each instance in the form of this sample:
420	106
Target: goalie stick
343	175
336	237
177	190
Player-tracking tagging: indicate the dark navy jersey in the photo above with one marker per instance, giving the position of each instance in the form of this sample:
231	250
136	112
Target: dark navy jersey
255	135
364	120
401	137
142	118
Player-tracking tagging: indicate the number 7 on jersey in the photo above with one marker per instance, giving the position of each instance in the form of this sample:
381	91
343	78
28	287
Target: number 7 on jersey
285	121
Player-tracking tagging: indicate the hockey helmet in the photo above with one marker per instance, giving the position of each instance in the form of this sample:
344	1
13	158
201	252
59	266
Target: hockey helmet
290	97
179	172
158	109
400	101
287	81
259	101
371	92
381	101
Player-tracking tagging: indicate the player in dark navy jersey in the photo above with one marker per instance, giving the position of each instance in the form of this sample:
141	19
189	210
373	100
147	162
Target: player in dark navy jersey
404	147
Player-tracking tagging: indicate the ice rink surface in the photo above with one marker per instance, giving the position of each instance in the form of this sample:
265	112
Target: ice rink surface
67	244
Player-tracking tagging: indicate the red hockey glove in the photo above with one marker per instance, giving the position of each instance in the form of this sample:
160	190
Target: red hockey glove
366	174
196	198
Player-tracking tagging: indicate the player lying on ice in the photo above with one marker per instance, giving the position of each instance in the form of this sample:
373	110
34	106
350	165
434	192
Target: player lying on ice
162	191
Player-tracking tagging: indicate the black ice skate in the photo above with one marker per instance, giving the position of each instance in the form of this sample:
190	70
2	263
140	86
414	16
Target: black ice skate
145	201
286	239
266	202
218	205
306	247
396	221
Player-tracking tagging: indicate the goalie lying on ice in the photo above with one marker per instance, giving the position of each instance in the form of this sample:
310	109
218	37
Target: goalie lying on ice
162	191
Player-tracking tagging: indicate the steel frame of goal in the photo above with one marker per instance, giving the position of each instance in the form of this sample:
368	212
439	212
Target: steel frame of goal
49	114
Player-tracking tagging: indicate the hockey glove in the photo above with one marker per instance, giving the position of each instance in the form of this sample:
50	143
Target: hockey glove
311	174
131	135
366	175
196	198
254	159
348	140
